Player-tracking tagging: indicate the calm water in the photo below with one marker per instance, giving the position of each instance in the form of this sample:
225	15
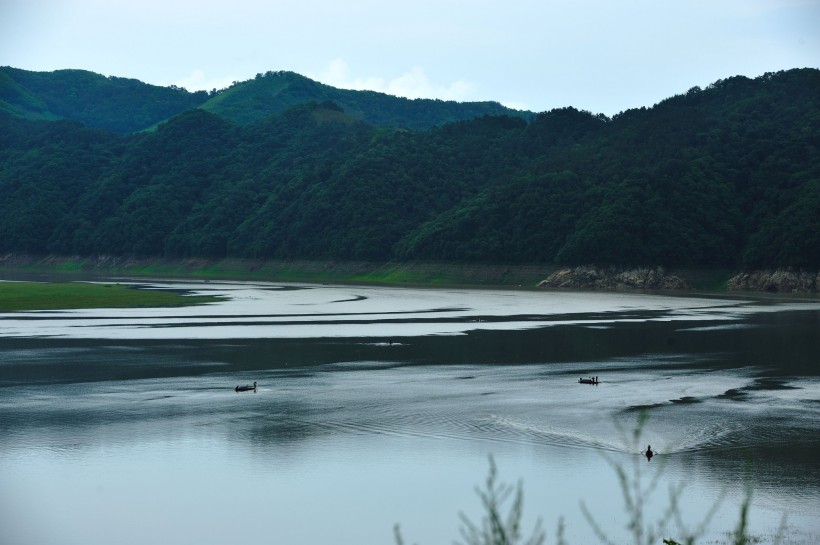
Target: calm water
381	406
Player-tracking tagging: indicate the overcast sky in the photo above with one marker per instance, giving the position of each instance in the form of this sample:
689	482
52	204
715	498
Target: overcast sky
599	55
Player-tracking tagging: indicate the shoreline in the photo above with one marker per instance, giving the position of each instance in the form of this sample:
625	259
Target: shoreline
300	271
416	274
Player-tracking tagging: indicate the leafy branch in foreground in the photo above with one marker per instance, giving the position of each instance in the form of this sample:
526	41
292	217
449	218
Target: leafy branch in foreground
637	494
495	529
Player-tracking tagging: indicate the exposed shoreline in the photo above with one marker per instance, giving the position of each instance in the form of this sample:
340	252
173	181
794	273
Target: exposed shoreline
525	276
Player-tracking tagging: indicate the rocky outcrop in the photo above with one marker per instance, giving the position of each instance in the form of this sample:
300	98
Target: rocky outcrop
784	281
777	281
614	278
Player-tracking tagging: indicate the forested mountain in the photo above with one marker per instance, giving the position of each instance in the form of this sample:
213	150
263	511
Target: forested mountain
117	104
725	176
275	92
128	105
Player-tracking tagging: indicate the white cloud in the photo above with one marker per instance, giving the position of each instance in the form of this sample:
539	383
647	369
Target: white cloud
516	105
412	84
199	81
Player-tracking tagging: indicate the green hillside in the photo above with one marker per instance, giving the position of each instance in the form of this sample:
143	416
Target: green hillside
18	101
727	176
117	104
125	106
274	92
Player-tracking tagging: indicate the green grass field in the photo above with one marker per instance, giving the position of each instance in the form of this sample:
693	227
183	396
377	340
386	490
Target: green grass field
17	296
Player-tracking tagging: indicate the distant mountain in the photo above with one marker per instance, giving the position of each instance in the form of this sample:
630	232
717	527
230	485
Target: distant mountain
116	104
727	176
127	105
275	92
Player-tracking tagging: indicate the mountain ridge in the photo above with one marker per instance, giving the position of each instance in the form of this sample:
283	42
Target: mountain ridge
125	105
726	177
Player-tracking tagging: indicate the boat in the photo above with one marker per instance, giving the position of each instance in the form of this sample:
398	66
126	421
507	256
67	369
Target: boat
590	380
246	388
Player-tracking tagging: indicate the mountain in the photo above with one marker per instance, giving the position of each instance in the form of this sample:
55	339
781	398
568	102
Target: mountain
116	104
274	92
127	105
727	176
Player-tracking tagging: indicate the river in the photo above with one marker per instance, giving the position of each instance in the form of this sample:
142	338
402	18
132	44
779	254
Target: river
381	406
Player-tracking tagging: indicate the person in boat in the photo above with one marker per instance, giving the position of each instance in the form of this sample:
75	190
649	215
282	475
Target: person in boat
649	452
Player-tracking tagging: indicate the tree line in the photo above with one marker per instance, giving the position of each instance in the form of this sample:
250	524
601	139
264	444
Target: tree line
726	176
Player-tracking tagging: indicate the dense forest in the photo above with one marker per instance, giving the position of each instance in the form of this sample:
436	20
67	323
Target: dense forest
727	176
127	105
117	104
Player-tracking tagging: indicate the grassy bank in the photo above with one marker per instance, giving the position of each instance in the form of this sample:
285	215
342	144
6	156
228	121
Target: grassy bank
394	273
17	296
434	274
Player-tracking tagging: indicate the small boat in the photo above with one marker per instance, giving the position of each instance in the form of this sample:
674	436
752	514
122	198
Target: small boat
246	388
590	380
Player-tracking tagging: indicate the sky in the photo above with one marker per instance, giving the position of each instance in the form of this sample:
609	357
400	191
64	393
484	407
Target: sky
605	56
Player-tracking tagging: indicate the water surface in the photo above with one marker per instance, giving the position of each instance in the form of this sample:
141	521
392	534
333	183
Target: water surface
379	406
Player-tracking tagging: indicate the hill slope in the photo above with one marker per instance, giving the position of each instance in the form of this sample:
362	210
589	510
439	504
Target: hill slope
126	105
274	92
117	104
727	176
